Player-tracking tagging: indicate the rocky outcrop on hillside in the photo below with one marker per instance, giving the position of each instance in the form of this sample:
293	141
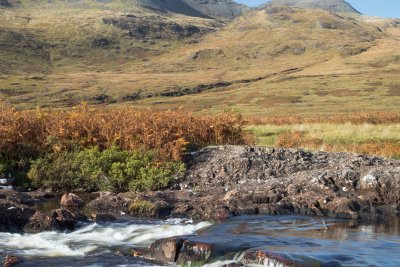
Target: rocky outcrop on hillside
219	8
198	8
4	3
329	5
156	28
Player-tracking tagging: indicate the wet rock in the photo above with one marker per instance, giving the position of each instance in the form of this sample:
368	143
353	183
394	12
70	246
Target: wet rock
235	264
12	218
11	260
71	200
165	250
103	217
176	250
195	253
267	258
56	220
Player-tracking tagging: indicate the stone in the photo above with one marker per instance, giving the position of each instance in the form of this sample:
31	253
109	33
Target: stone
55	220
165	250
11	260
194	252
14	218
71	200
103	217
234	264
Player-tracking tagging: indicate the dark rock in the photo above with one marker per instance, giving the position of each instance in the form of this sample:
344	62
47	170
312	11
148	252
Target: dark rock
56	220
235	264
286	181
11	261
103	217
110	203
176	250
71	200
12	218
4	3
165	250
194	252
266	258
17	198
156	28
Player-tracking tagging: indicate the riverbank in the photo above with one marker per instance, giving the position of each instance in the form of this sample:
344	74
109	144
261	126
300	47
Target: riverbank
232	180
225	181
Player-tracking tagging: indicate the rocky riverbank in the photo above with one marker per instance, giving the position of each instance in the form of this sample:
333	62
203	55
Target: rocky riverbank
221	182
225	181
233	180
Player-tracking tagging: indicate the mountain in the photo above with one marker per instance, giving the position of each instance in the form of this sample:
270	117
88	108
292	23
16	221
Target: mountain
276	60
200	8
328	5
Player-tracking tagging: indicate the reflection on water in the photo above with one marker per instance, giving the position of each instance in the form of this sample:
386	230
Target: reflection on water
319	239
327	240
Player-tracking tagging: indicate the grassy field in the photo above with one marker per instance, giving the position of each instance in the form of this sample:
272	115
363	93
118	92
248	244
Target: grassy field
367	135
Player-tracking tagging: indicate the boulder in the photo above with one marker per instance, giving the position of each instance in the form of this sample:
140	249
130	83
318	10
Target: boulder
196	253
165	250
176	250
56	220
71	200
14	218
110	203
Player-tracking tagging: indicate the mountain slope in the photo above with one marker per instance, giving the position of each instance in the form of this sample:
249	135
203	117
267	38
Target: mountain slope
280	60
328	5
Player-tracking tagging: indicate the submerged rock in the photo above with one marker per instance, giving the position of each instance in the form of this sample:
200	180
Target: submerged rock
267	258
11	260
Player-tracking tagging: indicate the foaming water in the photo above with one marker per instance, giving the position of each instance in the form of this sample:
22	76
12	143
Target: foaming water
93	240
308	240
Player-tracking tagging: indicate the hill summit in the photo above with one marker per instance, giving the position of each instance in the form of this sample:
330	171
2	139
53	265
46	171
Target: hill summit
329	5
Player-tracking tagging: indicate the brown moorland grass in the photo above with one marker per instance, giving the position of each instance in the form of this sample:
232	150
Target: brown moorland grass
380	117
297	139
28	133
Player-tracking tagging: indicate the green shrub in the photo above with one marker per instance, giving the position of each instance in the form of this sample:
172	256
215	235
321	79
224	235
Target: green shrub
108	170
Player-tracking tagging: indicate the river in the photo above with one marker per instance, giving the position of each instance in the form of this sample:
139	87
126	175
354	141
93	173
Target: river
319	241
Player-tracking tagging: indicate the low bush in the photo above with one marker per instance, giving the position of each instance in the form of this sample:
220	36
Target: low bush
28	134
111	169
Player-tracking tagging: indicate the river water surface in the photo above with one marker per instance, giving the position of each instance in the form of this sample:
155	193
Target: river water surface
319	241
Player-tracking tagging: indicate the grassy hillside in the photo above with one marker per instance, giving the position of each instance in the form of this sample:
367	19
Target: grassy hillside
275	61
